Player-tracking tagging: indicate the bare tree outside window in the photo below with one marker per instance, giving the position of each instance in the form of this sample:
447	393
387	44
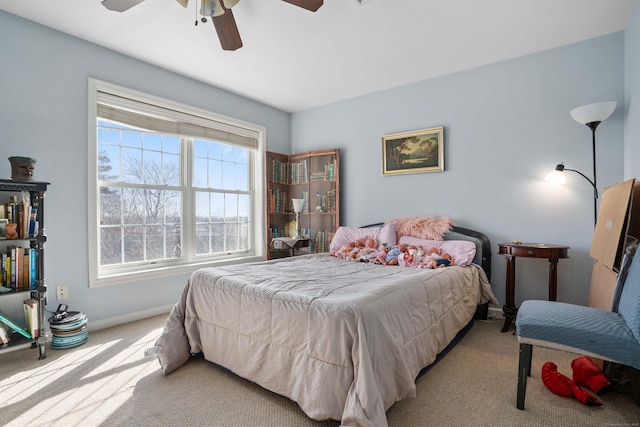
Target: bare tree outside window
141	197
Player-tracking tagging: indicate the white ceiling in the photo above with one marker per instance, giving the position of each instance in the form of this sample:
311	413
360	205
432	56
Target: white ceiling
294	59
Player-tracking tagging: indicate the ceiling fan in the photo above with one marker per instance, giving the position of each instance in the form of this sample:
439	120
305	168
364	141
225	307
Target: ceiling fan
220	13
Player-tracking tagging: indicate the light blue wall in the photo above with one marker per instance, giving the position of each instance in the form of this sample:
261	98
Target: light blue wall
632	97
43	114
506	126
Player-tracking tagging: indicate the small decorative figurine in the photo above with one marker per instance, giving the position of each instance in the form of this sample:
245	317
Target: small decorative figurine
320	207
22	168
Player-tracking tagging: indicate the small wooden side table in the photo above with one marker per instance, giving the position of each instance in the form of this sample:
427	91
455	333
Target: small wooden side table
287	246
528	250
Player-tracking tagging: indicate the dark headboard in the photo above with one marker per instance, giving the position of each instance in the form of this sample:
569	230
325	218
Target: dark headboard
483	245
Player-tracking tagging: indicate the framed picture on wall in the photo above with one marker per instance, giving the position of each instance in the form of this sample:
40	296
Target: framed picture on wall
413	152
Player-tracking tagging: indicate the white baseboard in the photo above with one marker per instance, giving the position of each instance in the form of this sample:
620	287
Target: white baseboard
129	317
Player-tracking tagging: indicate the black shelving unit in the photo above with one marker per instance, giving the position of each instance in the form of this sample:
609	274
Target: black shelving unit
36	190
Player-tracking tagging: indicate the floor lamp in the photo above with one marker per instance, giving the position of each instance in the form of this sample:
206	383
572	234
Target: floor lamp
591	115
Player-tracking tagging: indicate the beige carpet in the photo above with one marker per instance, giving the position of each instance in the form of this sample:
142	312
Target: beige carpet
109	382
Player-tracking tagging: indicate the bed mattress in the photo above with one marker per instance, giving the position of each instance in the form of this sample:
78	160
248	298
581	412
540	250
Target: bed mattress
345	340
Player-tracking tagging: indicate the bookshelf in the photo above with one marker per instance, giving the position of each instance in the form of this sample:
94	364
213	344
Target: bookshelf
22	204
313	176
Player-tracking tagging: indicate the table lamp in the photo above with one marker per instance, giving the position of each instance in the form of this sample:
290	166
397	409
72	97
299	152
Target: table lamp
298	205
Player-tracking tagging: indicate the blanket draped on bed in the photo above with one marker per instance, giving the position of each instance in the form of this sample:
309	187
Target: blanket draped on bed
344	340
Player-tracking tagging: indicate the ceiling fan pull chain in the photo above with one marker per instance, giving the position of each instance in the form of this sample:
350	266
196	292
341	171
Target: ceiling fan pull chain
196	4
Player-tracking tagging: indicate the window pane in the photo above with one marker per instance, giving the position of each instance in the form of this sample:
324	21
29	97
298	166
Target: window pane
217	207
215	174
202	207
243	236
229	173
131	165
200	148
231	208
173	207
110	203
200	172
231	237
215	150
155	242
217	238
242	177
171	144
109	162
244	204
132	139
132	206
153	172
174	241
133	243
152	141
172	169
202	239
110	245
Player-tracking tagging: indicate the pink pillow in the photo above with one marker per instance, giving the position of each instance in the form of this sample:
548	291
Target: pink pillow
424	227
344	235
462	251
387	236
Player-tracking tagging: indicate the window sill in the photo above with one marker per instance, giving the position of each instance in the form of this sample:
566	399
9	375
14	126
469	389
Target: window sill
163	272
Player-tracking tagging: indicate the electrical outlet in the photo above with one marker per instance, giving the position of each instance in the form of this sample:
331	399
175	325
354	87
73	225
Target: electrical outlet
62	292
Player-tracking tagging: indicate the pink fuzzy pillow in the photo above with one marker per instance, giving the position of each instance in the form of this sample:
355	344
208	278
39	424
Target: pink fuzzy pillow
424	227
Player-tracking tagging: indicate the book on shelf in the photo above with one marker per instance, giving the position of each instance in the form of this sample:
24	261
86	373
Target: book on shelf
18	268
19	329
30	307
5	335
33	269
32	229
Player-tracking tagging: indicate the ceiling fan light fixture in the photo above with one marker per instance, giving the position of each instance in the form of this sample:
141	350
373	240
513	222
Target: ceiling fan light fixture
230	3
120	5
211	8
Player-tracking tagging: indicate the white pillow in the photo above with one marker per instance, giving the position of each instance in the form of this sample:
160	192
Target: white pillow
462	251
344	235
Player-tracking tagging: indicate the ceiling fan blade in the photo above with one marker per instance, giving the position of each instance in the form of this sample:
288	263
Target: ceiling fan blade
311	5
120	5
227	30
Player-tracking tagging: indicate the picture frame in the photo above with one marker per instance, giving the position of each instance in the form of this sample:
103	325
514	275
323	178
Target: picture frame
413	152
3	228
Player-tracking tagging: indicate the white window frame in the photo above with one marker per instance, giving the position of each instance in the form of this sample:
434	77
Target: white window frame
111	276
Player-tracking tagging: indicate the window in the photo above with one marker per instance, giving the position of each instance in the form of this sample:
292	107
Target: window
175	186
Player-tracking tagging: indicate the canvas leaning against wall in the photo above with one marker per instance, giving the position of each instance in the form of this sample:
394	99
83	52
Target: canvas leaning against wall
413	152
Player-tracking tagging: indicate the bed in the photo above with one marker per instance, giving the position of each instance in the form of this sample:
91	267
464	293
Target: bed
344	340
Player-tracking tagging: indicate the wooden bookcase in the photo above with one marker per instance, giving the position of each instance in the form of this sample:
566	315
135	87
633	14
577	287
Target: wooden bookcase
313	176
27	288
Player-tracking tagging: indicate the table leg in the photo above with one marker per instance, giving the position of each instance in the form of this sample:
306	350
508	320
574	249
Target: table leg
553	279
509	309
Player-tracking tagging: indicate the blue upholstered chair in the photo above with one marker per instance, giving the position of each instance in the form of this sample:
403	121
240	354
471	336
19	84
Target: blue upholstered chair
607	335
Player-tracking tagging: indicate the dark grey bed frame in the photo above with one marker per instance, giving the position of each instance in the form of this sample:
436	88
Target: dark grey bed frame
482	258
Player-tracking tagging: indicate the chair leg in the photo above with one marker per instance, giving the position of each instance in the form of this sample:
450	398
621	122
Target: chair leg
524	371
634	377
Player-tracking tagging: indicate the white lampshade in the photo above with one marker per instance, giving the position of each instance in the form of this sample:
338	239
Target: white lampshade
598	112
556	177
298	205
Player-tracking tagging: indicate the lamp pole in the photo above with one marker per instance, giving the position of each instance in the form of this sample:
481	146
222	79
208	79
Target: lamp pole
593	126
